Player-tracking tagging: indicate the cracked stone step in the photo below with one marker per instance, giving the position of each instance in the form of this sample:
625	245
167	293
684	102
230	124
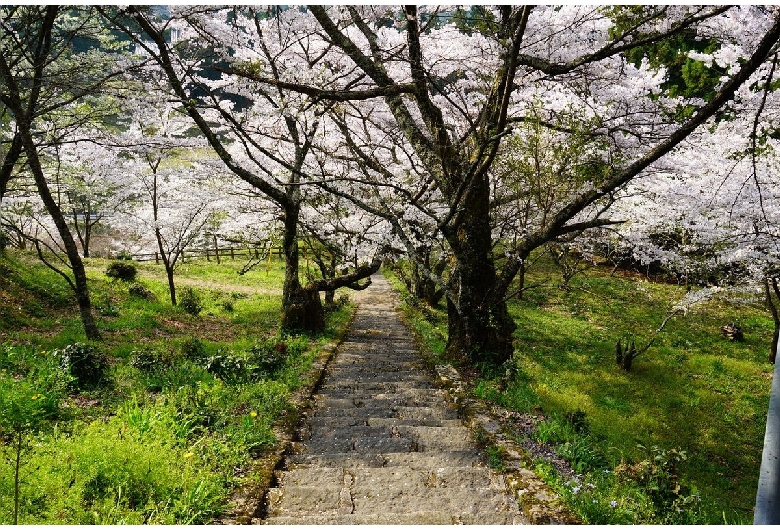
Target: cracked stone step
416	518
419	394
422	412
407	389
341	401
422	434
341	422
457	478
391	498
460	459
385	377
369	444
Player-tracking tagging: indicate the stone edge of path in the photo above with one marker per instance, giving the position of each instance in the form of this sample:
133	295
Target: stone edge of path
539	503
246	503
537	500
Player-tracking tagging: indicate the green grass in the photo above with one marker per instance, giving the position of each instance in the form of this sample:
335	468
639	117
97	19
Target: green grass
692	390
187	403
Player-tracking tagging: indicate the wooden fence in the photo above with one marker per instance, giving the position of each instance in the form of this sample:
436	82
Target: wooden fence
217	254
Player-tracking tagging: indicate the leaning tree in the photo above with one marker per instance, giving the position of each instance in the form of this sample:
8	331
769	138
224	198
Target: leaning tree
450	91
48	88
263	134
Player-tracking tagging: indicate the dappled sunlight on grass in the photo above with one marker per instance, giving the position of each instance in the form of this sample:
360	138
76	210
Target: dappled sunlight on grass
693	389
192	398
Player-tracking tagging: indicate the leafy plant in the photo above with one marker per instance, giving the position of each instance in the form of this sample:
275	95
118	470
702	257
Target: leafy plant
190	301
659	476
122	270
192	348
28	404
140	291
148	360
227	366
84	363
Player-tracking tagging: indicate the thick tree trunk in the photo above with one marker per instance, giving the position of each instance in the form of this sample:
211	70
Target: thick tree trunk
301	307
479	325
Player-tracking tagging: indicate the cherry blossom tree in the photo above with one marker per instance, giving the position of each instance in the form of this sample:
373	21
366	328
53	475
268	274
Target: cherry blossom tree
446	98
263	135
44	90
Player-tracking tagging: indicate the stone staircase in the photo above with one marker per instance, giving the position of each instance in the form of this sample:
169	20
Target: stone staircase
381	445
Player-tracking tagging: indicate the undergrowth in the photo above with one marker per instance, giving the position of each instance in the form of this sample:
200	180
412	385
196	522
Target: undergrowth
159	422
689	418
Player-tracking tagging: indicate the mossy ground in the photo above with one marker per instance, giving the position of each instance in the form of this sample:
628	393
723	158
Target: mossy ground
185	408
693	390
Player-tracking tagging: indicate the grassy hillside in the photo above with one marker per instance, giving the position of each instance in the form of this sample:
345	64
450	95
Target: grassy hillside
159	422
677	439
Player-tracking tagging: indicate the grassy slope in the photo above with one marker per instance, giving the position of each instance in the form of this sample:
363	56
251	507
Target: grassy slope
692	390
197	431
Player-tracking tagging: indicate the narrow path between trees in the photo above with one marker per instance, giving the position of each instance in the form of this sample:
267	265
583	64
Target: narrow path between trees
381	444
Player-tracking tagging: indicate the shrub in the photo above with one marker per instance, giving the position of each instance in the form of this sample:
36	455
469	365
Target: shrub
676	501
122	270
268	356
192	348
148	360
190	301
140	291
227	366
84	363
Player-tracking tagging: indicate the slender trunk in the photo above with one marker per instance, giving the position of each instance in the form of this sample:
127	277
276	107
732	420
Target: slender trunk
71	249
166	259
171	284
82	233
521	280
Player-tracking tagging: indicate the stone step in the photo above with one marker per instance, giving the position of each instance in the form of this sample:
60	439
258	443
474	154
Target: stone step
341	422
421	394
461	459
362	479
361	354
421	412
379	377
418	433
368	444
390	498
416	518
348	401
361	385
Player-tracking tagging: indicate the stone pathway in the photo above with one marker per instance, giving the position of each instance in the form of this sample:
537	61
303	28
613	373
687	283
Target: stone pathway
381	445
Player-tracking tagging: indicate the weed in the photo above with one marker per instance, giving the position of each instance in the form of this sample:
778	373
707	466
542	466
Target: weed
190	301
495	458
228	306
140	291
84	363
122	270
192	348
